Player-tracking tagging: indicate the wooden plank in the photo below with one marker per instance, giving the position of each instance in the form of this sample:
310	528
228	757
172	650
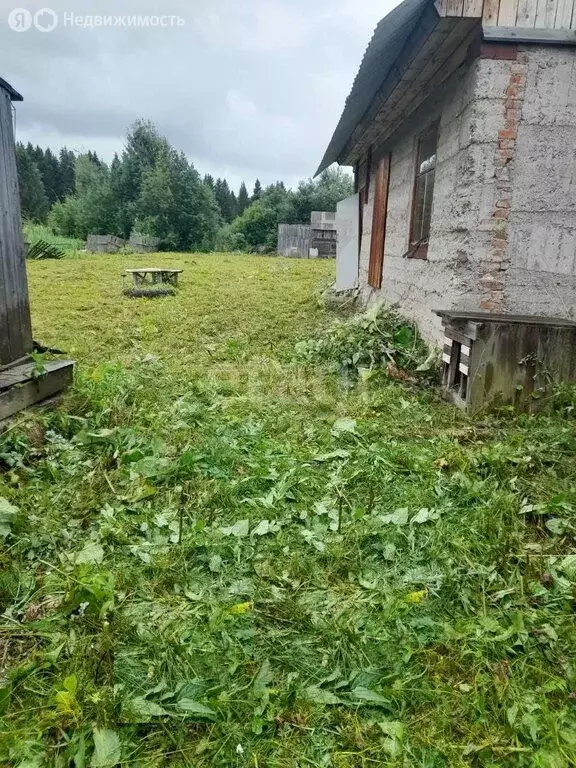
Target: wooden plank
526	15
5	356
15	324
507	13
427	63
527	35
455	8
294	240
153	270
450	7
473	9
490	14
29	391
11	319
424	64
456	335
382	183
564	13
546	14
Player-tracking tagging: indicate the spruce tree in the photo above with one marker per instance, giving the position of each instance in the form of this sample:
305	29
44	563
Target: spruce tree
225	199
67	173
243	199
50	171
33	200
233	205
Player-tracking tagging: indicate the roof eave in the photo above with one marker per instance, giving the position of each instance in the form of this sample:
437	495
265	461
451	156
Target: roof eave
14	95
404	18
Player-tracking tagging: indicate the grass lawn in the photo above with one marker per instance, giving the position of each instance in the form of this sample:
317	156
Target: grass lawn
214	555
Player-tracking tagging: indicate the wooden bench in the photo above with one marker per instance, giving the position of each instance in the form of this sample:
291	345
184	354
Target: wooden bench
144	276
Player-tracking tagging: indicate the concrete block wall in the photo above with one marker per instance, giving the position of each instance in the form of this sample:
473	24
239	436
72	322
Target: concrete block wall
541	277
464	199
503	231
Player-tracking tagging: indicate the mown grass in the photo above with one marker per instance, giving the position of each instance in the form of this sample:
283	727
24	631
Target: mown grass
223	557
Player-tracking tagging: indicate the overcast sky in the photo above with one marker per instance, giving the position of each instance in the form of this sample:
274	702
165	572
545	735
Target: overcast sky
247	88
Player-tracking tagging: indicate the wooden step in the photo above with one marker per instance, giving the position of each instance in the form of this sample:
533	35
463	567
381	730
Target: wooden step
24	385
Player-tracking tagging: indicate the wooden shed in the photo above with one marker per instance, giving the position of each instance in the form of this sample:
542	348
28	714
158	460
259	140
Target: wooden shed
21	382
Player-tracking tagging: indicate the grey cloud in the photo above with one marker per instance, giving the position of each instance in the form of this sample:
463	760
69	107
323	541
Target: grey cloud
248	87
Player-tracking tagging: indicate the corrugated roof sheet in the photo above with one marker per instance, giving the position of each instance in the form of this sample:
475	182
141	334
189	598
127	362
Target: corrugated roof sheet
387	42
14	95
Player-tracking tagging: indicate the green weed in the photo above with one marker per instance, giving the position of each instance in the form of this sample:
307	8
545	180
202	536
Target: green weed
215	555
366	343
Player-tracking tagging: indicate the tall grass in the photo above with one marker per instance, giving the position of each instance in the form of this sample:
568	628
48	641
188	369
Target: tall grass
35	232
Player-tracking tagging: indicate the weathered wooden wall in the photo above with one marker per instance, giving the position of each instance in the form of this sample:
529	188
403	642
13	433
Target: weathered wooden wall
104	244
538	14
535	14
294	240
15	325
144	244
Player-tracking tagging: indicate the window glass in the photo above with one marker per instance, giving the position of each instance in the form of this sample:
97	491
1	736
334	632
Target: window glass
424	187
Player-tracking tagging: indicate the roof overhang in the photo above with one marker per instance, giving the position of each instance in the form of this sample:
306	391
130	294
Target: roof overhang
414	49
389	40
14	95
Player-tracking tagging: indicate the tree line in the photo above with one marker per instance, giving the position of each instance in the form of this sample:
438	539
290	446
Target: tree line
45	178
152	189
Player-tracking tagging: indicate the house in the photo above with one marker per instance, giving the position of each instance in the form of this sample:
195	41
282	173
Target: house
461	128
23	381
309	241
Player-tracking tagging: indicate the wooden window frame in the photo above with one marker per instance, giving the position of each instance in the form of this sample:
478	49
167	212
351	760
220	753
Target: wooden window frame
379	219
418	249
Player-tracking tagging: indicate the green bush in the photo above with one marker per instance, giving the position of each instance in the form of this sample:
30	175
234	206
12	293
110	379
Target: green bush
228	240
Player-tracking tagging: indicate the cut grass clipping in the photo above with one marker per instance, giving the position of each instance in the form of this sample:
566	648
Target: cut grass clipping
379	340
215	555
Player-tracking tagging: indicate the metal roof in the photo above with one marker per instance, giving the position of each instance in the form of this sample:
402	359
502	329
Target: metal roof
387	42
14	95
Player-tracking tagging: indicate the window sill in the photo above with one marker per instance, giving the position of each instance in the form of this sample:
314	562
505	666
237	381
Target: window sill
418	251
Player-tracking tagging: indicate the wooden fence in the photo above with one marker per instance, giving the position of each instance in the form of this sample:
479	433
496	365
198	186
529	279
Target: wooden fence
294	240
104	244
111	244
144	243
